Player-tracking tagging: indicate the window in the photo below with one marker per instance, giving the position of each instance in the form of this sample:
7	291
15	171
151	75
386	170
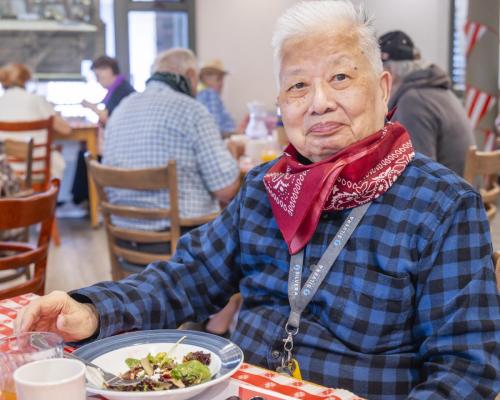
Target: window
145	28
458	60
68	95
107	17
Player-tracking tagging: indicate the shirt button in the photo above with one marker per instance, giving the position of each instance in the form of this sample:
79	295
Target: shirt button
276	354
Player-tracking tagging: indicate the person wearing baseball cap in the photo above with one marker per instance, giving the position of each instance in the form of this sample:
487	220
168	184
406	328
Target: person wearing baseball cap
212	76
397	45
425	104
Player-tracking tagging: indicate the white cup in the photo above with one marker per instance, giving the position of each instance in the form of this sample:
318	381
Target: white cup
53	379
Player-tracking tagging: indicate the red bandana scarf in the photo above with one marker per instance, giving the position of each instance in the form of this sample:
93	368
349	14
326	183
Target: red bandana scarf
354	176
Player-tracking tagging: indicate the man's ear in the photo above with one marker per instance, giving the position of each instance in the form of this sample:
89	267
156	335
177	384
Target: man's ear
192	76
385	82
190	73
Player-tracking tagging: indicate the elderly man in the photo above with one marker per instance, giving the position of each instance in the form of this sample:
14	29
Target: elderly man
399	299
425	104
165	122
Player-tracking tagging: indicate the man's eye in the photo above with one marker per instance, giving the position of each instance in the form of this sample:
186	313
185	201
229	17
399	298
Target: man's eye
299	85
339	77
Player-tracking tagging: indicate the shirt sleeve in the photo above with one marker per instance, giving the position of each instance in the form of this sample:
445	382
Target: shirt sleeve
458	309
212	101
226	121
216	165
196	283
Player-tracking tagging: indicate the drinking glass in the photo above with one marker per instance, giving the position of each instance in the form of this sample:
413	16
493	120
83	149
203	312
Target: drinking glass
22	349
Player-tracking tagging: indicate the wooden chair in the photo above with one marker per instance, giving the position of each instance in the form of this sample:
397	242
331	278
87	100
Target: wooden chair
41	163
21	151
41	169
162	178
21	213
484	165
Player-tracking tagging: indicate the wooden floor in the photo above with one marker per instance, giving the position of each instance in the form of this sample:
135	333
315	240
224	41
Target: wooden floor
82	259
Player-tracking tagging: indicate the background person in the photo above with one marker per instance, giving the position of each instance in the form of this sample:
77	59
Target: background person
165	122
17	104
107	72
425	104
212	77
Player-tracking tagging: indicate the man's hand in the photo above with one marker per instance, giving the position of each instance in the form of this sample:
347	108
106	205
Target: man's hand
59	313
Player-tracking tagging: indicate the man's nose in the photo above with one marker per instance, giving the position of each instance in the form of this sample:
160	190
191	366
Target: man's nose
323	99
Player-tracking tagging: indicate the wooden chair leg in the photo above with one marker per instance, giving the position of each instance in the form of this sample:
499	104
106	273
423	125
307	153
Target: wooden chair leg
56	238
117	273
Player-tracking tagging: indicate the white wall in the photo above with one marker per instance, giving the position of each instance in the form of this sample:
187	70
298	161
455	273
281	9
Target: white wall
239	33
427	22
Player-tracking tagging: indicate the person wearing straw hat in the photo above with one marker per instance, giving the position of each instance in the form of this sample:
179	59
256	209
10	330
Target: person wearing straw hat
212	76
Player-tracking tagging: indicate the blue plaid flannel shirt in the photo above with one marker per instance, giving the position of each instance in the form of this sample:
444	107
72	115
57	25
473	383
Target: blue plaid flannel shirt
146	130
410	309
212	101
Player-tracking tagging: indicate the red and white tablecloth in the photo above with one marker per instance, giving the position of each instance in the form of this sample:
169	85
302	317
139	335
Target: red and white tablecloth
248	382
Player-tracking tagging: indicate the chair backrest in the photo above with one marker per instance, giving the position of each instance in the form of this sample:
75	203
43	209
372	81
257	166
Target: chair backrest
21	213
42	149
21	151
162	178
484	165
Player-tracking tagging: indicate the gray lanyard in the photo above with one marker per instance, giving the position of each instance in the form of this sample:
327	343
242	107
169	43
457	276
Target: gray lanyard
299	297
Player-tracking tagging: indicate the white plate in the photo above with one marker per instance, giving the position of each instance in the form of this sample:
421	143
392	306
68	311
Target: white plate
110	354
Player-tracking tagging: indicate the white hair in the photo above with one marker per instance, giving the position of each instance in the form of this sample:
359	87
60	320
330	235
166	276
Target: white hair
401	68
322	15
176	60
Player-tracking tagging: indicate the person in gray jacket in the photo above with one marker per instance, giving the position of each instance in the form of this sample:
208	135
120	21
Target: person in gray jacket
425	104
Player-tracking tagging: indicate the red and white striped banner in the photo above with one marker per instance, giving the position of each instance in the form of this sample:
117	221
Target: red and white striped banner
477	104
490	140
473	32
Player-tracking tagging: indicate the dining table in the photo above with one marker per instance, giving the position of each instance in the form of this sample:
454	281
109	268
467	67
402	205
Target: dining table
88	133
247	382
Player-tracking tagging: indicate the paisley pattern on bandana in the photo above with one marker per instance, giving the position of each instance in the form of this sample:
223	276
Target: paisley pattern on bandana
349	194
354	176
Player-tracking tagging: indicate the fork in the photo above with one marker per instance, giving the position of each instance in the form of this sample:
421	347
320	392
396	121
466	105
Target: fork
106	378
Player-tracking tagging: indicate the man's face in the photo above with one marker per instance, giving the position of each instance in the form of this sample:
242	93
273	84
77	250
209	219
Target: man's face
330	97
214	81
104	76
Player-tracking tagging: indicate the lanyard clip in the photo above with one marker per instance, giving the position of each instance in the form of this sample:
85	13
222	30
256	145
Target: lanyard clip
286	360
